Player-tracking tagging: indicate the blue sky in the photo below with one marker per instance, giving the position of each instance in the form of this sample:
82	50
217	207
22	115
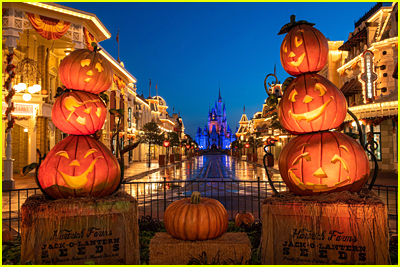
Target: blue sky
189	48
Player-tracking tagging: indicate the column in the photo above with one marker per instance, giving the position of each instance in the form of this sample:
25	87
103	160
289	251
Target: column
32	140
8	181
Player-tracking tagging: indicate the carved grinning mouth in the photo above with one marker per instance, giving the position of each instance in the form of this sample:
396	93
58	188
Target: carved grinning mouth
79	181
298	61
311	115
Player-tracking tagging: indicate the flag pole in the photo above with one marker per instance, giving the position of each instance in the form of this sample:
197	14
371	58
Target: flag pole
119	61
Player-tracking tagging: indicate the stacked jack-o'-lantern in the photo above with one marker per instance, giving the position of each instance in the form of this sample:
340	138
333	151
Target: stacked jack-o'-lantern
80	165
318	160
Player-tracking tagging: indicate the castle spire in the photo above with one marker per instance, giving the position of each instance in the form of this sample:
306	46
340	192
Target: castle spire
244	109
219	91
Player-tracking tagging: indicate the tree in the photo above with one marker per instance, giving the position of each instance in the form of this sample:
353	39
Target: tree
152	136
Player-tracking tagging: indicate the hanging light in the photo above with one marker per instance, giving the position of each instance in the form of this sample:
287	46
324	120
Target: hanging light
29	74
26	97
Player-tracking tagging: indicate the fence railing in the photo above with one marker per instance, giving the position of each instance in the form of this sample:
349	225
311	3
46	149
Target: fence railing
154	197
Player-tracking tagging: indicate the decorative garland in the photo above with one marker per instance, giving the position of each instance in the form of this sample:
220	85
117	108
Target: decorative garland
375	121
11	74
17	118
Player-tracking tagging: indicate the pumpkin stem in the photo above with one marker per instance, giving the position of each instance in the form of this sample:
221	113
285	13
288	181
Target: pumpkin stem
243	211
292	18
195	198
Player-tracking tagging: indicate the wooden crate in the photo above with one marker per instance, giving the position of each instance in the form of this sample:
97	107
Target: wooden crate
324	230
79	230
230	248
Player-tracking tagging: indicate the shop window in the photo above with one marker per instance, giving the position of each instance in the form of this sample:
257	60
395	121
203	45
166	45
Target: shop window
376	131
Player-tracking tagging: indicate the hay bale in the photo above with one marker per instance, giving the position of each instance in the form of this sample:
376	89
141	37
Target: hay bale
78	230
337	228
230	248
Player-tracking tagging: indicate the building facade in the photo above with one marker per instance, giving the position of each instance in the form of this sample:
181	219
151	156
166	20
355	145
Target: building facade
217	133
26	35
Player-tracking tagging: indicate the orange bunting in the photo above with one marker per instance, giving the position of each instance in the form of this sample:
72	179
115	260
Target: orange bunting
89	38
49	28
120	83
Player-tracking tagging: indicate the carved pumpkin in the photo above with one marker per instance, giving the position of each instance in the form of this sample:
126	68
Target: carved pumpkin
196	218
86	70
7	236
324	162
310	104
244	218
79	166
79	113
304	49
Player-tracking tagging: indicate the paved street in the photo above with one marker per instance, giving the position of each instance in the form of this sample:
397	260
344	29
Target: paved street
232	181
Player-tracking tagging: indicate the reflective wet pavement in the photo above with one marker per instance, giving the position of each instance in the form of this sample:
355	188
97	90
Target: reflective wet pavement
232	181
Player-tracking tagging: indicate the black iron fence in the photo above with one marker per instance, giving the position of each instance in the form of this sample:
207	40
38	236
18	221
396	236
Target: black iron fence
155	196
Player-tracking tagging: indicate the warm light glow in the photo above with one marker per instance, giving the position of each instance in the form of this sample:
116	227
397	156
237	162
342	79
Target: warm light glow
31	90
22	87
117	65
26	97
26	130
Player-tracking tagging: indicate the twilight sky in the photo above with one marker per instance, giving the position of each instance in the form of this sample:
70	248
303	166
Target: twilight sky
189	48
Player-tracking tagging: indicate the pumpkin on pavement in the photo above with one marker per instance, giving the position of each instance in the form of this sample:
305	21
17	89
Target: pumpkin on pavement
7	236
244	218
196	218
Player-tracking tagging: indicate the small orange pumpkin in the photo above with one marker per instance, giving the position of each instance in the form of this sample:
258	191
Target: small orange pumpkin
245	217
196	218
7	236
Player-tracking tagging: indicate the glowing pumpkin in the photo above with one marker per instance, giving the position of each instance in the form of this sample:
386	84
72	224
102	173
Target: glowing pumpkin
86	70
79	113
310	104
304	49
79	166
196	218
324	162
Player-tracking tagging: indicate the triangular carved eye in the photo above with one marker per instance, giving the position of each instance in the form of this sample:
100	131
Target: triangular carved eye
321	88
292	95
298	41
85	62
305	155
99	67
307	99
337	158
284	47
63	154
98	112
88	110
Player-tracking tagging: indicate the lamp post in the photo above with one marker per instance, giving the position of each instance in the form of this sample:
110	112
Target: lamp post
166	144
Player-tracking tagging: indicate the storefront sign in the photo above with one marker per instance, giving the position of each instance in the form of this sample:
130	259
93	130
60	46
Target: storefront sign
22	109
368	75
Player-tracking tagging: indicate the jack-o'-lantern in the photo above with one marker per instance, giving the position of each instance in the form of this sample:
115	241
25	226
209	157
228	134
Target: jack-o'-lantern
79	166
79	113
87	71
304	49
310	104
324	162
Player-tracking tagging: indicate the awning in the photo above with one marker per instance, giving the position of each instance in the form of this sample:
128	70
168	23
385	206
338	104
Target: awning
355	39
351	87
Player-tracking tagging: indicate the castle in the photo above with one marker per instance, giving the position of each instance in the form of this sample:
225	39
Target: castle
217	134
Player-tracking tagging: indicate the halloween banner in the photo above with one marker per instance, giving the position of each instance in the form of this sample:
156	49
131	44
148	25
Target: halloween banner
49	28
